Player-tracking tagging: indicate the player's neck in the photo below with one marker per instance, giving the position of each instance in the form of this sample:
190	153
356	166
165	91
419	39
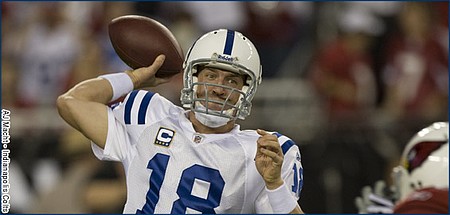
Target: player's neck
200	128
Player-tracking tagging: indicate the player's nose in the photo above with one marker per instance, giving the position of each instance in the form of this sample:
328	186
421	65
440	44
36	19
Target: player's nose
219	91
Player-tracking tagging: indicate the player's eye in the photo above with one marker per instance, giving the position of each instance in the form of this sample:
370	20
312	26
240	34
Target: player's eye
210	76
232	82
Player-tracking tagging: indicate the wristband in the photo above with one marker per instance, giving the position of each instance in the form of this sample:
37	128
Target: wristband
281	200
120	82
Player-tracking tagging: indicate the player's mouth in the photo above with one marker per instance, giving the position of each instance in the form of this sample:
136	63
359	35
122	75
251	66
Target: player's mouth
216	106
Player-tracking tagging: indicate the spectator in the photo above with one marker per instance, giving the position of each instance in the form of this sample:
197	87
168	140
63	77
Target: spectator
275	27
46	56
416	69
342	75
342	71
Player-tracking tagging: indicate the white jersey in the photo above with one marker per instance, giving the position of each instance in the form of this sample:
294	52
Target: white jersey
172	169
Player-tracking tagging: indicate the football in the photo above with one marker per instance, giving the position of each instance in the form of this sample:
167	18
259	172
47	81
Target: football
138	40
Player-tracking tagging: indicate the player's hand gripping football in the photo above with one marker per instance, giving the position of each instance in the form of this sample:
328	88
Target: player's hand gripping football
269	159
145	76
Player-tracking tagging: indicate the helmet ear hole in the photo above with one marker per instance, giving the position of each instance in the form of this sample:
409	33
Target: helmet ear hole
247	80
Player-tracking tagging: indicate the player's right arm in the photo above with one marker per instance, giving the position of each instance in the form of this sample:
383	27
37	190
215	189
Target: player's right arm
84	106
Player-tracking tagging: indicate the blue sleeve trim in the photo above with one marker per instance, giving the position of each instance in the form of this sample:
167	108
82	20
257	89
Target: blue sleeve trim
128	106
143	108
287	145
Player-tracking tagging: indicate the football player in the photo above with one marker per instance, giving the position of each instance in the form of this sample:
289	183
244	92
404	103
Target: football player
193	160
420	181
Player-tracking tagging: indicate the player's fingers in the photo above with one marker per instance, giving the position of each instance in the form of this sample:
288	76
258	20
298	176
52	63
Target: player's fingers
366	191
275	157
158	62
269	141
145	76
266	135
359	203
268	147
379	188
152	69
258	152
258	147
262	132
276	150
261	144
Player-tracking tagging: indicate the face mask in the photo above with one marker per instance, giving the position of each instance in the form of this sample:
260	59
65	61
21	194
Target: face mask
210	120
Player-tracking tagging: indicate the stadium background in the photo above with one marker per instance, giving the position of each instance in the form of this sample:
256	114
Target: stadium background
349	82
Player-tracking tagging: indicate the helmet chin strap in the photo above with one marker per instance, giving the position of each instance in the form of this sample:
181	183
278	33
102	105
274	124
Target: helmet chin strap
208	120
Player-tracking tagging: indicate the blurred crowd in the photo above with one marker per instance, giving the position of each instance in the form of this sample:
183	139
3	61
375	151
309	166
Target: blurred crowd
350	82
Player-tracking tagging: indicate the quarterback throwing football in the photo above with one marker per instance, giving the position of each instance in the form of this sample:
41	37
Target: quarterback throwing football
192	160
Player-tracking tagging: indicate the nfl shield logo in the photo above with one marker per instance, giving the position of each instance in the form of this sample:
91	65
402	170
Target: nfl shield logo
197	138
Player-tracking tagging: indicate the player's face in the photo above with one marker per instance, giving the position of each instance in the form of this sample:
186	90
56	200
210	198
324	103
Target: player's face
219	77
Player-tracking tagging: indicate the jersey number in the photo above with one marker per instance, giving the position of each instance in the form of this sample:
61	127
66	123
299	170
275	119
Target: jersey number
298	180
159	164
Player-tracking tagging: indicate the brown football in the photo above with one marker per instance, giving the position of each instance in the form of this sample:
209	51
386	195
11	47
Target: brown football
138	40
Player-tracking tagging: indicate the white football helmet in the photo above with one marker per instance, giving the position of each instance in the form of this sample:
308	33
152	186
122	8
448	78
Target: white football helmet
227	50
424	162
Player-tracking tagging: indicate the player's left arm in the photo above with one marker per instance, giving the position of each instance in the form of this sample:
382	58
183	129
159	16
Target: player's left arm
269	160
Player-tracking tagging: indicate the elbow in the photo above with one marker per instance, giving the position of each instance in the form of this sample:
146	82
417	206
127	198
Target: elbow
65	106
62	103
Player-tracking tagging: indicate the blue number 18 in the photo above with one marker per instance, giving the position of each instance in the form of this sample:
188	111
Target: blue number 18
159	166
